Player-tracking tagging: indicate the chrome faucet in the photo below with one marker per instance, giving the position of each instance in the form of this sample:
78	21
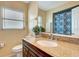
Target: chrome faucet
50	36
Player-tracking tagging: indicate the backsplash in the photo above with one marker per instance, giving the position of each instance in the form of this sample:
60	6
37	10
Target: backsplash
62	38
67	39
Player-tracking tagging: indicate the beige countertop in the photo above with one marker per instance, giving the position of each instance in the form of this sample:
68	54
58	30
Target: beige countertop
64	49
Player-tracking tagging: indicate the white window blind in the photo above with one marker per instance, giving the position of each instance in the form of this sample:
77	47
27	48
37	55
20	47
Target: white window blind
12	19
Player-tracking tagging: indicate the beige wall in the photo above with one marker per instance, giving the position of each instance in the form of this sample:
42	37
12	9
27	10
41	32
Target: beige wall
43	15
13	37
49	15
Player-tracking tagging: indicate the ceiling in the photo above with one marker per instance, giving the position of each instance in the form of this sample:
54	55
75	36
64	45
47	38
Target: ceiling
46	5
26	1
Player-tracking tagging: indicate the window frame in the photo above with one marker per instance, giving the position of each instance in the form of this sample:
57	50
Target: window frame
59	12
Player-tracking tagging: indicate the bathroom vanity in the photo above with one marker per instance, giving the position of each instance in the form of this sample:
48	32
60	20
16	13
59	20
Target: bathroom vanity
30	50
64	49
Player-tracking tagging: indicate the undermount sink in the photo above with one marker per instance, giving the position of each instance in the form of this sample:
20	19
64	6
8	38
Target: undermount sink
47	43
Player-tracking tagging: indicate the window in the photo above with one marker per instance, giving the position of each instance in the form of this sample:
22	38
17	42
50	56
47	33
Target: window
39	21
62	22
12	19
75	21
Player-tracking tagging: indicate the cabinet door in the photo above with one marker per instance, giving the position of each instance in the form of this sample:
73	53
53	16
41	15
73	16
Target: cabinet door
31	54
25	51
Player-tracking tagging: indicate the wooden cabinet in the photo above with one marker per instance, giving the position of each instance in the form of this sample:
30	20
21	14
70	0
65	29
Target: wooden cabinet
30	50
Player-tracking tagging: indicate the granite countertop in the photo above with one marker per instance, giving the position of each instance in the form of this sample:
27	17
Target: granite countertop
64	49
